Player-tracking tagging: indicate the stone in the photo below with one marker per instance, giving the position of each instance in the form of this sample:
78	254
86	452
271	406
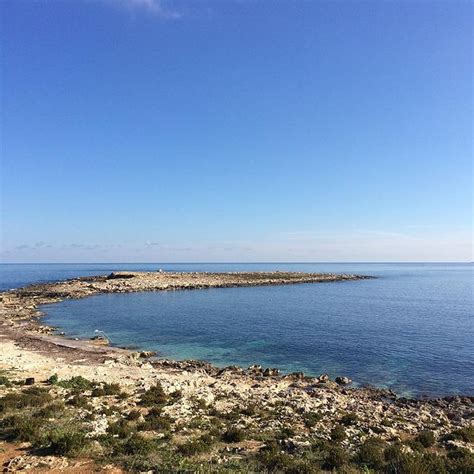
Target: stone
343	380
297	375
270	372
323	378
147	354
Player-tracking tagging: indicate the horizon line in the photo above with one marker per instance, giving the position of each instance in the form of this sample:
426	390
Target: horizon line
238	263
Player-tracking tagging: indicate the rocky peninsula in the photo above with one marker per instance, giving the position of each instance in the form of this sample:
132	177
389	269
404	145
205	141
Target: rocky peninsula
82	406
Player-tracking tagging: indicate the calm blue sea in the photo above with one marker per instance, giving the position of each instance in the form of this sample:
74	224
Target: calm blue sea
411	329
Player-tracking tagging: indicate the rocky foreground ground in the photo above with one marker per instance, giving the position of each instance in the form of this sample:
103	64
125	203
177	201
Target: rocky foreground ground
78	406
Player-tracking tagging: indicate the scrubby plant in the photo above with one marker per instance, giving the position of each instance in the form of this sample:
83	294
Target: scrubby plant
77	383
31	397
250	410
53	410
154	396
197	446
460	460
199	403
133	415
23	428
399	461
338	433
311	419
387	422
156	420
466	434
426	438
233	435
349	419
335	458
285	432
106	389
176	395
121	428
5	381
53	380
136	444
67	442
79	401
371	453
273	458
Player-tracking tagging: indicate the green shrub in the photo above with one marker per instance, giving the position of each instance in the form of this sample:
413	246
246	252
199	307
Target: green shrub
285	433
67	442
233	435
274	459
154	396
399	462
335	458
137	445
155	420
371	453
52	410
426	438
79	401
465	434
53	380
349	419
338	433
78	383
107	389
122	396
460	460
134	415
387	422
415	445
199	403
31	397
5	381
120	428
176	395
23	428
310	419
196	446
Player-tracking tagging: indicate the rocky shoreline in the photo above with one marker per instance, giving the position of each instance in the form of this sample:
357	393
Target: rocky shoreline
94	407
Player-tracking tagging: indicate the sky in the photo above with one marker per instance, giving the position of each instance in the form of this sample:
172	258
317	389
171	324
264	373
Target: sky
236	131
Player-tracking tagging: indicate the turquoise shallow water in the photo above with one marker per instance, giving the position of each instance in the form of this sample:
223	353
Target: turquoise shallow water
411	329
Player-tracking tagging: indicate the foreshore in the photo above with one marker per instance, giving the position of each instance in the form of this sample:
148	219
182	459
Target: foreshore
191	413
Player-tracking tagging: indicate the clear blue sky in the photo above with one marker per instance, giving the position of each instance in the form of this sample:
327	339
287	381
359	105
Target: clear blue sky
139	130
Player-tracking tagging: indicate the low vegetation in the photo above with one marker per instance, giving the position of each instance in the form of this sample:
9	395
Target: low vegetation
141	435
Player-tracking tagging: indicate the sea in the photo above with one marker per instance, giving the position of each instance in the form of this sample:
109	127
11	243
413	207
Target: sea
411	329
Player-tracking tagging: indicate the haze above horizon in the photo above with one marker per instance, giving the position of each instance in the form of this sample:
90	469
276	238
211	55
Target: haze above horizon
245	131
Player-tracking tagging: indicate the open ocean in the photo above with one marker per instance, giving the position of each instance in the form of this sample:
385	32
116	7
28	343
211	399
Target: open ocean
411	329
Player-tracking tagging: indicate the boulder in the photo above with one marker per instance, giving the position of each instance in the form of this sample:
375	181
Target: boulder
147	354
270	372
343	380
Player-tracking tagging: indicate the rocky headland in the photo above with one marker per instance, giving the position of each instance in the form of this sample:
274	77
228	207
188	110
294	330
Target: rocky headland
82	406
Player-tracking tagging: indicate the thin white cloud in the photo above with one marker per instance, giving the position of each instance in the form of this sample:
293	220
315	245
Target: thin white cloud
155	7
